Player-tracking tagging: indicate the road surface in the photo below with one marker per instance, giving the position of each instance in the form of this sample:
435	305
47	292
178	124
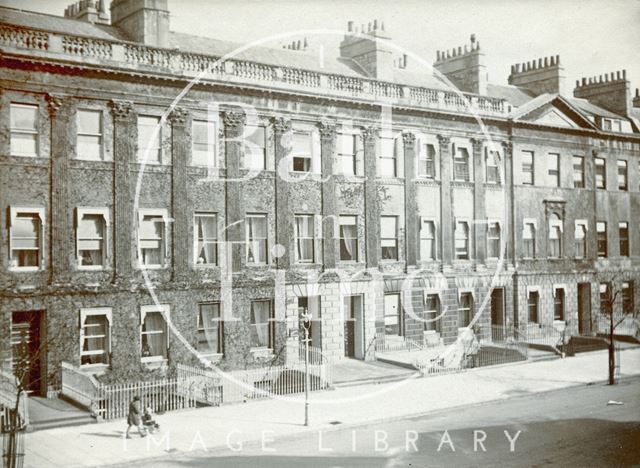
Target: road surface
571	427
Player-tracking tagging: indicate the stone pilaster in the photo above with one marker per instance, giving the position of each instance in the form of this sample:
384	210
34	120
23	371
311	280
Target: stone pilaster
410	205
446	202
329	209
284	225
124	137
233	129
371	203
181	211
61	221
509	193
479	227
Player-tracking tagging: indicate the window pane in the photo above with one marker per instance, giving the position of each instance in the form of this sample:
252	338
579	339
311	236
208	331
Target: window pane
95	344
388	227
24	117
260	329
89	122
154	335
149	135
302	144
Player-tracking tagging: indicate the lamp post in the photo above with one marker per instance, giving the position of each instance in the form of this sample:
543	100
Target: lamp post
306	317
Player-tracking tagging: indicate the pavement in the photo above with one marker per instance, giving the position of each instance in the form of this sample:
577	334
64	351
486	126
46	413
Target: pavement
257	422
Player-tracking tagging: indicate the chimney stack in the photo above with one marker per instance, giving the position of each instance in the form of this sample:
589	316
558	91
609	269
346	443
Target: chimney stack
91	11
367	51
611	92
545	75
465	67
144	21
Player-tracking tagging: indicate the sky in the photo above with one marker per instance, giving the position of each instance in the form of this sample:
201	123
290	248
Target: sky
592	37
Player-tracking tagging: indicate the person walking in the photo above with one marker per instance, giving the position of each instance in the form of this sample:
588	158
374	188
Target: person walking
134	418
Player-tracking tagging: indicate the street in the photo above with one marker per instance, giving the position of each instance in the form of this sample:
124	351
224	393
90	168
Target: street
570	427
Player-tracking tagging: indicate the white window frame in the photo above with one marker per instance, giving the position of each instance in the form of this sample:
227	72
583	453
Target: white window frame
423	221
146	150
314	157
220	329
624	225
606	238
249	129
582	170
165	310
205	214
395	238
104	212
468	239
157	213
298	238
99	135
358	152
422	141
533	222
553	173
622	163
270	326
581	223
264	216
34	132
357	239
492	158
455	146
524	179
595	173
211	153
552	224
84	313
489	239
14	211
397	147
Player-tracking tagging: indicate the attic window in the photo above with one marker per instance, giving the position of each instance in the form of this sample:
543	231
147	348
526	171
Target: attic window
611	125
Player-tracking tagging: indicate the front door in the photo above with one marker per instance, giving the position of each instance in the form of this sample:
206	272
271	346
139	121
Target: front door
349	329
497	313
584	308
26	349
392	318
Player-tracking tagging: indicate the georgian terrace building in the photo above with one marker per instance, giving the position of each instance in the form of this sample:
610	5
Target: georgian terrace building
137	229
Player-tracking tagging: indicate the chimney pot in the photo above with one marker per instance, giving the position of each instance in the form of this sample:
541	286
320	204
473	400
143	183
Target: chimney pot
369	26
382	25
624	74
577	83
584	81
375	25
546	62
459	50
350	26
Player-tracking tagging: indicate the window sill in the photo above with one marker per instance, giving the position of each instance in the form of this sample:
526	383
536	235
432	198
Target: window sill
152	267
262	352
94	368
205	266
24	269
154	362
91	268
213	357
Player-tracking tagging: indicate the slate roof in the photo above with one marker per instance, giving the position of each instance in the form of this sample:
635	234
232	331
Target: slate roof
59	24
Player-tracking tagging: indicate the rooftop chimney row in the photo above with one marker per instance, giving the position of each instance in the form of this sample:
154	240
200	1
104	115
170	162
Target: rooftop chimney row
610	91
465	67
92	11
540	76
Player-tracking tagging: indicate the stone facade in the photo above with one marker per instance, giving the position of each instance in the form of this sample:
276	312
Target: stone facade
59	182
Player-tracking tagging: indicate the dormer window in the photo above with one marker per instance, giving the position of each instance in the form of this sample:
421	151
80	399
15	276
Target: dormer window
611	125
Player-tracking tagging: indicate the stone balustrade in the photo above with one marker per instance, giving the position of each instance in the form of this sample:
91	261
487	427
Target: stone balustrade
144	58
